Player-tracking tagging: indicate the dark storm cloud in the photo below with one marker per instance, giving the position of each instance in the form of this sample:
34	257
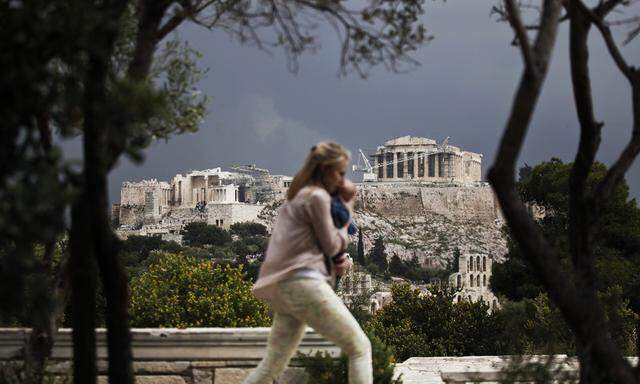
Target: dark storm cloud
260	113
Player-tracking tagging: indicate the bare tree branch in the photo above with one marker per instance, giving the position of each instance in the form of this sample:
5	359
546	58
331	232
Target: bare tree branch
513	15
605	31
632	35
575	307
581	222
605	7
617	171
628	20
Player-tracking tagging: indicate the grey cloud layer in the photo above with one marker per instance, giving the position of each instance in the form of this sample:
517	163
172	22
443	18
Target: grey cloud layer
261	113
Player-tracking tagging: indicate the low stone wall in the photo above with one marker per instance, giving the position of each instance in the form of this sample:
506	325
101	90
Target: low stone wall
174	356
227	355
488	369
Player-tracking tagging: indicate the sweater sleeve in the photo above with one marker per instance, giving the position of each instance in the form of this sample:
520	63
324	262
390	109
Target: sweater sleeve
331	239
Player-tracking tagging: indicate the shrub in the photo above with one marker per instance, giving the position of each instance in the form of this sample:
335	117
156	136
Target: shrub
248	229
324	369
416	324
198	234
182	291
249	246
137	251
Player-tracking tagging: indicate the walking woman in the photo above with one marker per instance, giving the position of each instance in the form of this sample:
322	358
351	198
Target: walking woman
294	278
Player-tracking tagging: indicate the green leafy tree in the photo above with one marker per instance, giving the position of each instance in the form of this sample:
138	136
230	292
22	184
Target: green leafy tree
199	234
137	249
248	229
378	255
181	291
575	286
536	327
416	324
616	240
250	246
397	266
414	270
453	265
97	70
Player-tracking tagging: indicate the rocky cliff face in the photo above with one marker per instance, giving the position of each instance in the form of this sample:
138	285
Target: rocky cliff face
430	221
427	221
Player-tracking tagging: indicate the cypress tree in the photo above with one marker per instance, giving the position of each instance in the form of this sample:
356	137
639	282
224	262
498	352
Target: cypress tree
360	255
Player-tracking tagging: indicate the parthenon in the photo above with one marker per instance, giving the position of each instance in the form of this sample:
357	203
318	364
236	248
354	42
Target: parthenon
420	158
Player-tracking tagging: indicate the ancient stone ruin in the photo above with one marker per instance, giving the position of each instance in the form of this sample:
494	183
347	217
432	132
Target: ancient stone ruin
213	196
422	159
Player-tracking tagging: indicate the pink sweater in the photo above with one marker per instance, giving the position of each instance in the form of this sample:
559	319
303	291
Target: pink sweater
302	234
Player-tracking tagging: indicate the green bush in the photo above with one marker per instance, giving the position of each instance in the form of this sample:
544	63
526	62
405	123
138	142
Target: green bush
416	324
248	229
182	291
198	234
249	246
324	369
137	251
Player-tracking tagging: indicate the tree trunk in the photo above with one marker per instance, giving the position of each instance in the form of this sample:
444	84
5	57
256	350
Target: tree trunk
589	372
38	348
83	295
96	127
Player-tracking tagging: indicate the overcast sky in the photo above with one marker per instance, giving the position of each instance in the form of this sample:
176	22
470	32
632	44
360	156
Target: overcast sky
261	113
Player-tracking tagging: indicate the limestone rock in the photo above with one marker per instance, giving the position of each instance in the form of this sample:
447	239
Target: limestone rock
202	376
230	375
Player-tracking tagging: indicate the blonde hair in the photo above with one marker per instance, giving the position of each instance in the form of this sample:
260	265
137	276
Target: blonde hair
324	153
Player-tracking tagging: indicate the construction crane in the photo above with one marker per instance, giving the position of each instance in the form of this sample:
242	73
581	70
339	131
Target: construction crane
364	166
444	146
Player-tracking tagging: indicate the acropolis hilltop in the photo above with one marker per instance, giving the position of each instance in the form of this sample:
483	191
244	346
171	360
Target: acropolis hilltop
421	174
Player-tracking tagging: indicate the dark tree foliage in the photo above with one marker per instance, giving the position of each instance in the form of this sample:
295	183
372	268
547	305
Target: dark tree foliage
616	242
248	229
198	234
524	171
360	251
96	70
136	251
378	255
412	270
416	324
397	266
453	265
255	245
574	286
326	369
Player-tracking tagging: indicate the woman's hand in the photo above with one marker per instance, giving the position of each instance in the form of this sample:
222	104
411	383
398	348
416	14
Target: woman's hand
342	264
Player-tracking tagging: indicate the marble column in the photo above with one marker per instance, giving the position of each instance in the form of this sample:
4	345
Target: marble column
395	164
384	166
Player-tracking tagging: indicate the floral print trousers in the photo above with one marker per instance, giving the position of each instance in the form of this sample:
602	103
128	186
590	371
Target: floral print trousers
306	301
